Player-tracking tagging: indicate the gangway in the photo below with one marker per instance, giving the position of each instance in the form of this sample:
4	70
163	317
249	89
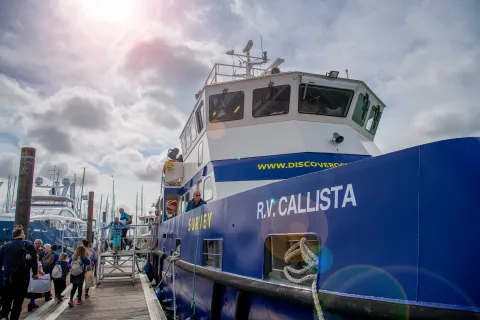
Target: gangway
123	265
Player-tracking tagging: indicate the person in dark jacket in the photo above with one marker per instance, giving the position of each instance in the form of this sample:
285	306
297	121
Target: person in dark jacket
61	283
196	202
17	257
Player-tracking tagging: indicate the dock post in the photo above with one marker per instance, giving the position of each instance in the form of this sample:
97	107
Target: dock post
24	189
90	217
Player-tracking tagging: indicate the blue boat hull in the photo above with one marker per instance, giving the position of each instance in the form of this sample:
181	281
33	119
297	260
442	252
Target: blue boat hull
40	230
399	231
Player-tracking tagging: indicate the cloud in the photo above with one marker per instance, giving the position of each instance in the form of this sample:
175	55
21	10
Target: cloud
52	139
9	163
91	92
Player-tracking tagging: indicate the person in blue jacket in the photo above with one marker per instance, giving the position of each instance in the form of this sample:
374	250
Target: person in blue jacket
196	202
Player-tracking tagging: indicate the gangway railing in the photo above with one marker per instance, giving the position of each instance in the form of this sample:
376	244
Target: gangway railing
124	264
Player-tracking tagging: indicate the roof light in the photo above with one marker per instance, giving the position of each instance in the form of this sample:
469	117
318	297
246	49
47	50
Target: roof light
333	74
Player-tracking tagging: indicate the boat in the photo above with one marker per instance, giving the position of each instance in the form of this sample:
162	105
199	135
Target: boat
305	217
54	217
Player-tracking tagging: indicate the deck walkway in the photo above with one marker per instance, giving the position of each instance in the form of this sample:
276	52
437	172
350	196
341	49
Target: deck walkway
120	300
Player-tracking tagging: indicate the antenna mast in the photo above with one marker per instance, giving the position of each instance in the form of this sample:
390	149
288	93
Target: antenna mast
247	59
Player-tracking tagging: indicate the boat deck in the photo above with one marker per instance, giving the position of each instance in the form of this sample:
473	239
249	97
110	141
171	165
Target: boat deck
120	300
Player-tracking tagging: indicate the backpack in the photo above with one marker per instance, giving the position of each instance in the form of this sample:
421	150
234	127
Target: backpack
47	262
129	221
57	272
26	260
77	267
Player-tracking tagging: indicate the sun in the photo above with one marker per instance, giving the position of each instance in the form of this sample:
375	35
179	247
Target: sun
109	10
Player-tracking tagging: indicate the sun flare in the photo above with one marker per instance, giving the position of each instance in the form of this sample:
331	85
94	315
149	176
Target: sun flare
109	10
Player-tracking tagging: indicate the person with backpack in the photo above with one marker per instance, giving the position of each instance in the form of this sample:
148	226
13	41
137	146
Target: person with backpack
77	264
48	263
59	275
17	258
93	262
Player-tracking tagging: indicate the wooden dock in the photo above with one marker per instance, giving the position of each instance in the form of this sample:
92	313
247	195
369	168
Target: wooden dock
111	301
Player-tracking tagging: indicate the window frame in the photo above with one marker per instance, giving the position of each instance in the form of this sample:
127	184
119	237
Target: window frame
364	97
199	116
209	179
275	274
377	109
228	92
200	154
300	97
263	88
206	254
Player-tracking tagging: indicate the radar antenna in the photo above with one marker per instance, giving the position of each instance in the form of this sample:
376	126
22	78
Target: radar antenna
249	60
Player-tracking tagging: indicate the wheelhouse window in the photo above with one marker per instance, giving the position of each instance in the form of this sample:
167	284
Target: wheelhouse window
200	115
207	189
212	253
226	106
271	101
274	254
361	109
373	119
324	101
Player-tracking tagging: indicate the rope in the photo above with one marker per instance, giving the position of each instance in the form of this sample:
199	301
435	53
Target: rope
175	256
302	249
192	305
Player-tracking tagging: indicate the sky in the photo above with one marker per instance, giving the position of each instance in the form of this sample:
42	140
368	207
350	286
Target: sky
107	85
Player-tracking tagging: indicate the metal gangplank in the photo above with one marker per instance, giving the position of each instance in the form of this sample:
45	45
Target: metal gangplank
125	264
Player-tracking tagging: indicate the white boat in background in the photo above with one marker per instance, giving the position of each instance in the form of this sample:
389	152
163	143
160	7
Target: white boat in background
53	218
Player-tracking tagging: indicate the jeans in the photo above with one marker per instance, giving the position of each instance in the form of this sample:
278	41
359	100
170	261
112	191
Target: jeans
13	292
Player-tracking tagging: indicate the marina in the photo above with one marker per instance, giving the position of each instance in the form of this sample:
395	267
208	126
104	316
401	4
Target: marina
308	220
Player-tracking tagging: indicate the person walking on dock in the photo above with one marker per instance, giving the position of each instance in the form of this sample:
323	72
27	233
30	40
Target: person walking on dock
117	228
17	258
48	263
196	202
59	275
38	243
90	268
126	219
77	264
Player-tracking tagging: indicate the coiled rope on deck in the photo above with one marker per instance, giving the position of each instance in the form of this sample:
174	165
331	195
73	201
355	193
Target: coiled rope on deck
302	249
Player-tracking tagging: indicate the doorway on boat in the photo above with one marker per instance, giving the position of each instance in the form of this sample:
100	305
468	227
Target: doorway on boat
172	209
276	258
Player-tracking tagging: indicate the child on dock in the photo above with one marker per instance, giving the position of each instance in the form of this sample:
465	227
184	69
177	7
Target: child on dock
59	275
77	264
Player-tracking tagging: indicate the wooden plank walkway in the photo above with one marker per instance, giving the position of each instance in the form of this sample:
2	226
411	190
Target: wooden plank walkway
113	300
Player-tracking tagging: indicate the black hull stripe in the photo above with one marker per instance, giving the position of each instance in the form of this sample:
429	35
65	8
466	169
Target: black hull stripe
361	308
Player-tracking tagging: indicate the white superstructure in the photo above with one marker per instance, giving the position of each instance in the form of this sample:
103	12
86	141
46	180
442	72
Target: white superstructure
243	123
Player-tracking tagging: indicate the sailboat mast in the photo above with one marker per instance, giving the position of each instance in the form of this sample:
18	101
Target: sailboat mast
113	199
13	190
136	209
81	192
141	203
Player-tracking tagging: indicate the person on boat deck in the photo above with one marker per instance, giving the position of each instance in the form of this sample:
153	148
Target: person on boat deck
196	202
124	219
117	228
